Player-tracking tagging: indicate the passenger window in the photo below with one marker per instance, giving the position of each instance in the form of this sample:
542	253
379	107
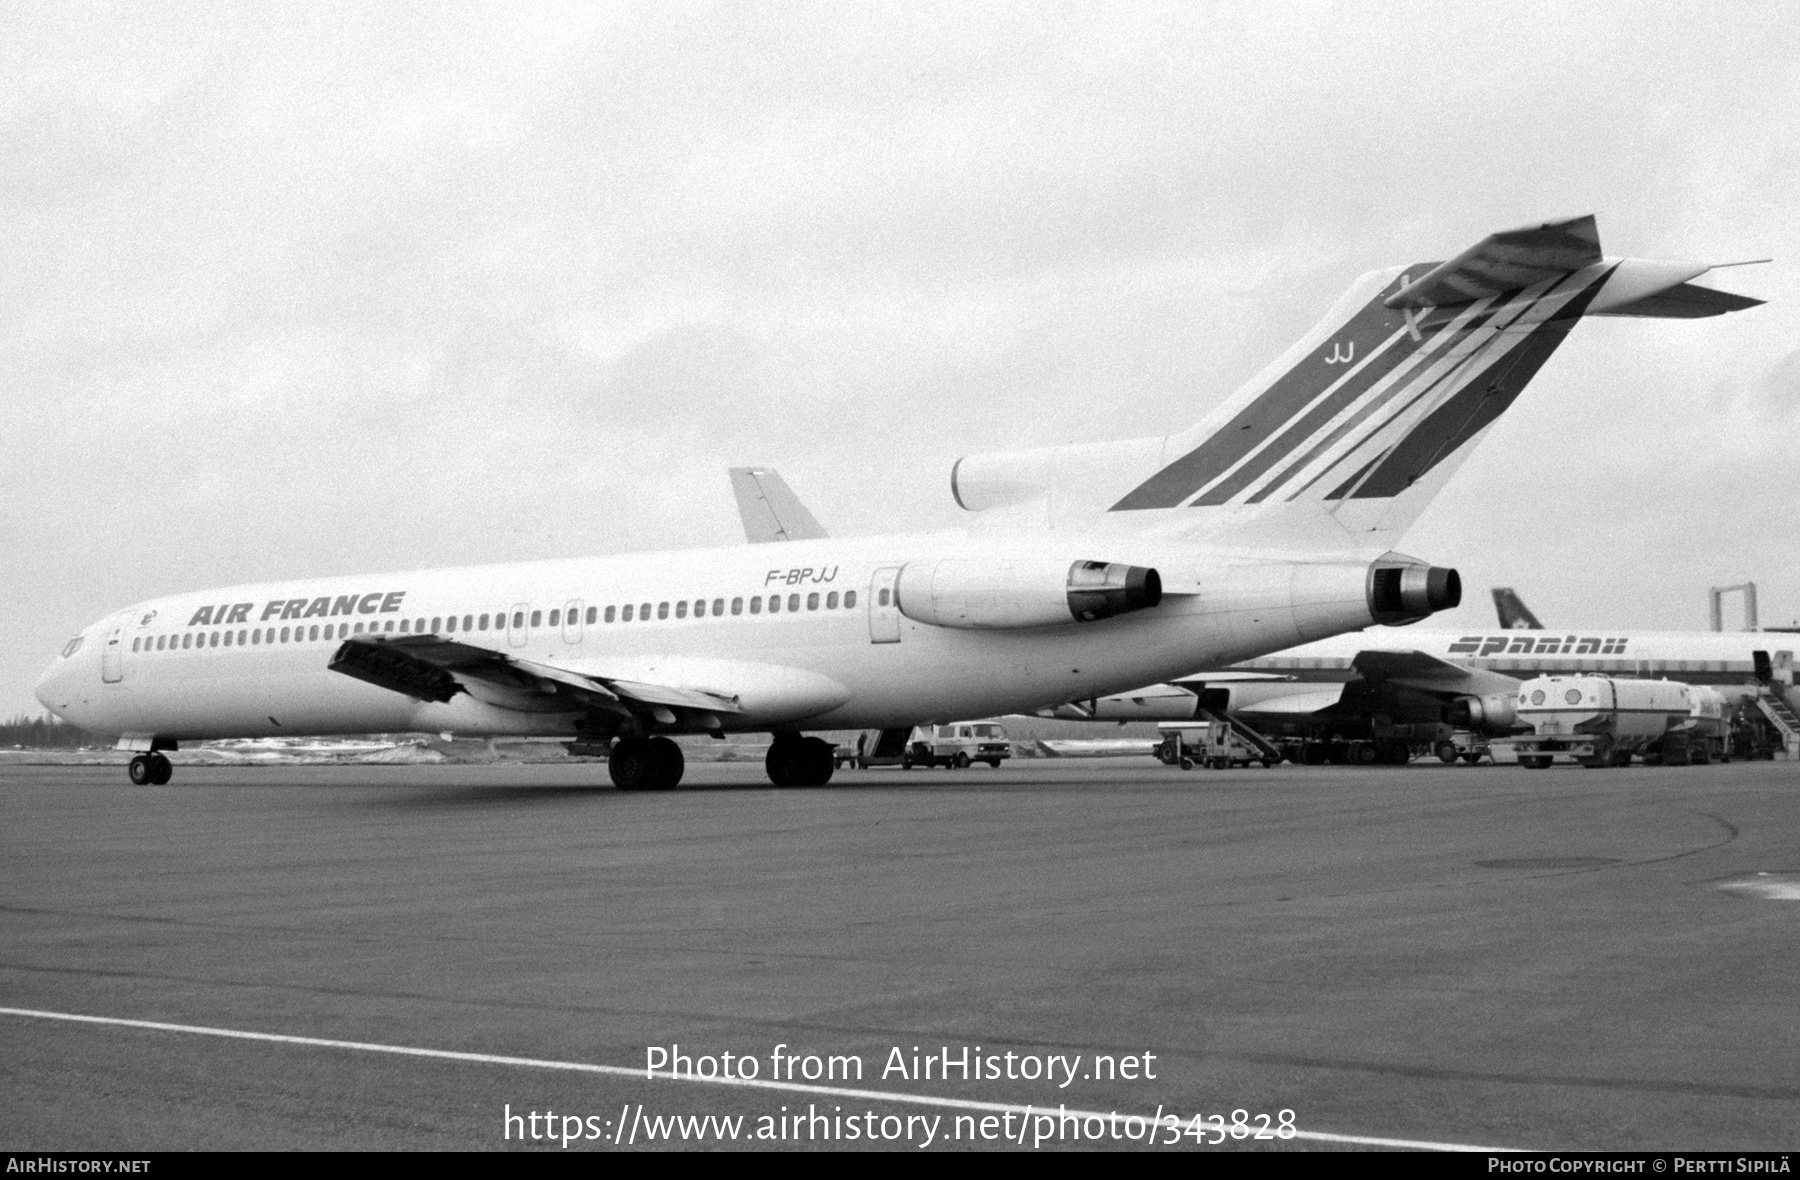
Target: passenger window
593	612
404	623
627	615
644	613
159	643
450	625
774	604
227	639
284	635
437	623
537	619
256	637
849	599
831	601
882	598
662	610
556	618
215	640
756	605
718	607
812	601
737	606
186	640
518	618
793	602
134	644
358	630
468	620
609	615
680	609
390	625
315	632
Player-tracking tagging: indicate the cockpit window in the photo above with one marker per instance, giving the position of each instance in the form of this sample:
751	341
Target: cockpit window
71	647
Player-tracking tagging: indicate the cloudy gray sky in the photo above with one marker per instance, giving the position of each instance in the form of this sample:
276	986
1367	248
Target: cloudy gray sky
315	288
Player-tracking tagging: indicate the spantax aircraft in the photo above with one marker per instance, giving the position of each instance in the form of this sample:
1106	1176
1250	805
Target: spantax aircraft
1085	570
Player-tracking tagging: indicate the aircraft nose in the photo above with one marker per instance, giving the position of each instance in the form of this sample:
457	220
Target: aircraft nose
49	689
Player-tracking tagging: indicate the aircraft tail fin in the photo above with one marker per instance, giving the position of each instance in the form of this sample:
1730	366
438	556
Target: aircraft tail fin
769	509
1514	614
1349	435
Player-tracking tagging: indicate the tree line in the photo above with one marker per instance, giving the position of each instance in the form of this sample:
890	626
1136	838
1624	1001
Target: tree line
43	733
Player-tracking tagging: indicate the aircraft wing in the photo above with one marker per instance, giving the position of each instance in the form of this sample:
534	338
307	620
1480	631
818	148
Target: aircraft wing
1298	704
769	509
432	668
1428	673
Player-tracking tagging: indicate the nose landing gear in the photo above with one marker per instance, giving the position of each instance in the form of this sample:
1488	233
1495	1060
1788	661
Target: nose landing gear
150	770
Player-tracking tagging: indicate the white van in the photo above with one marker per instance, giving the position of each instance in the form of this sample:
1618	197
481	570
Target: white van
957	745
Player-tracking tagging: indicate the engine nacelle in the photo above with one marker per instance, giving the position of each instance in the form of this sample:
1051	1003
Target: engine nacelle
1404	593
1496	713
998	593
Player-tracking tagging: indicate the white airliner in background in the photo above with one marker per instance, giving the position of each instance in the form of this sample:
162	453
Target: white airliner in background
1389	689
1088	569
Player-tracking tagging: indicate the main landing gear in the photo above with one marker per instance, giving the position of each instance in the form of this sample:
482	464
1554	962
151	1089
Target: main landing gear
150	770
796	761
645	764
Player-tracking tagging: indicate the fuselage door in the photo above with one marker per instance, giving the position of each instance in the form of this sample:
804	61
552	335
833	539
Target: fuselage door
884	607
112	655
572	622
516	629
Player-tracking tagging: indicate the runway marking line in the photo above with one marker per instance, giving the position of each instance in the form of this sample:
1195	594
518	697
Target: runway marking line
625	1071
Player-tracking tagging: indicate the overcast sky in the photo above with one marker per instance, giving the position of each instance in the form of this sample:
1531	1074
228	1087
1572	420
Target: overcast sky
318	289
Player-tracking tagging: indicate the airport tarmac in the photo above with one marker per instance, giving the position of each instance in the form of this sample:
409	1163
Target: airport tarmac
1479	956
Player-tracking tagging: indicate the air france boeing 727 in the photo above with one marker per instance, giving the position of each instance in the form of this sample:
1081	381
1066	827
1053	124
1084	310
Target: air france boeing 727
1088	569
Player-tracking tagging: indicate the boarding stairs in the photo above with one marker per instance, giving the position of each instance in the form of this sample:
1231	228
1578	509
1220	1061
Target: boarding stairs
1256	741
1783	718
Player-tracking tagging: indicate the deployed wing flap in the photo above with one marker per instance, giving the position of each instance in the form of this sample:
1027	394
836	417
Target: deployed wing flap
769	509
1510	260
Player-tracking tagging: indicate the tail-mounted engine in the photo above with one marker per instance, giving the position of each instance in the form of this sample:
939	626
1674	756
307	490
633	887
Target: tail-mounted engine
980	594
1405	590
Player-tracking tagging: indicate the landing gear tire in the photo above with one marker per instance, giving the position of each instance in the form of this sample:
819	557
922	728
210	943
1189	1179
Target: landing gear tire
646	764
1395	752
1362	754
160	770
799	762
1446	753
140	771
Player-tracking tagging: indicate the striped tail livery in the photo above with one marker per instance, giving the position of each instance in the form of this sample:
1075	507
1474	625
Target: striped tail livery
1351	433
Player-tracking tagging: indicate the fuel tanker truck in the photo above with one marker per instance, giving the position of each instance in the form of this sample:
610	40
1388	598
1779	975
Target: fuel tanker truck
1602	721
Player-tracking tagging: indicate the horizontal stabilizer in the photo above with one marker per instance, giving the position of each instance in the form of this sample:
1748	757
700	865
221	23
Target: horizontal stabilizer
769	509
1505	262
1684	301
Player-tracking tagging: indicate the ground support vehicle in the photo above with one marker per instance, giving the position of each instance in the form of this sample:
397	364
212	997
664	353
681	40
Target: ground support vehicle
1217	745
957	746
1602	721
1462	746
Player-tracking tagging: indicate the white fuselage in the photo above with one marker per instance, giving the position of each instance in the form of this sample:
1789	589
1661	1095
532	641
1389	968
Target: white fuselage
253	660
1693	657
